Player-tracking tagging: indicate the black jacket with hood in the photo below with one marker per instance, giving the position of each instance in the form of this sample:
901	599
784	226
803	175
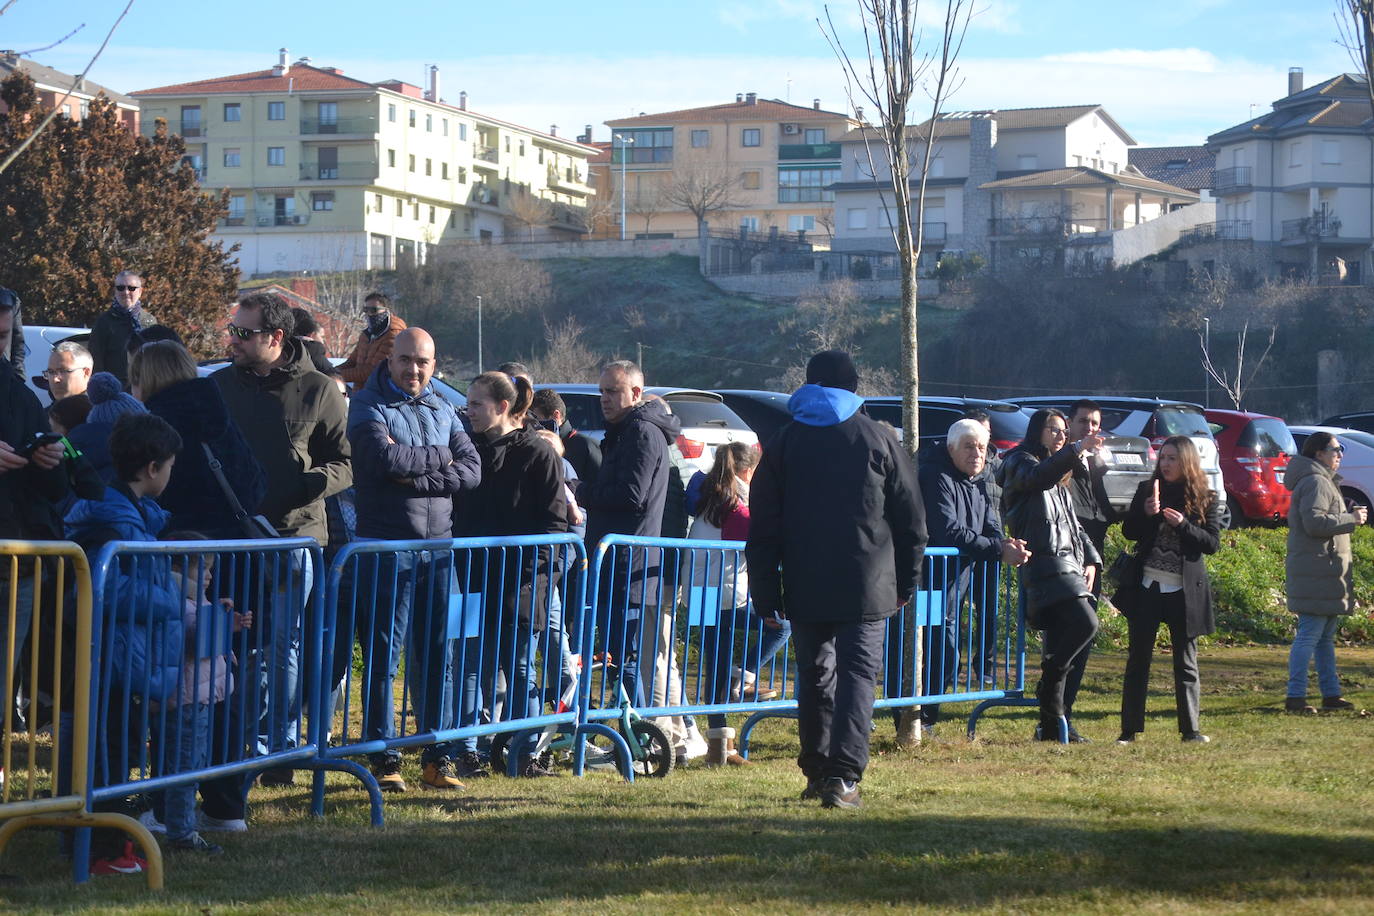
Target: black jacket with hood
295	421
837	530
29	496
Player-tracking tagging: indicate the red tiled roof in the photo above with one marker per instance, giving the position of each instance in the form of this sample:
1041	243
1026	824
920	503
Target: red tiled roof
300	78
761	110
602	157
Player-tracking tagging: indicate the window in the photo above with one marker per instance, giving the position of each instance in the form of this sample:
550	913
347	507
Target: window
1295	153
412	117
541	157
322	200
190	120
815	135
431	214
937	167
415	211
233	157
443	125
462	131
236	211
750	181
443	170
391	113
508	144
701	138
328	162
654	145
806	185
801	222
391	158
522	147
857	219
377	203
751	136
749	222
1331	152
233	111
276	111
85	109
429	167
329	117
462	175
276	155
400	204
412	162
429	123
67	111
1028	162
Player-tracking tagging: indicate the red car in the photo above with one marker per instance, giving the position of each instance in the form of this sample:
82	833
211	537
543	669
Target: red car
1254	450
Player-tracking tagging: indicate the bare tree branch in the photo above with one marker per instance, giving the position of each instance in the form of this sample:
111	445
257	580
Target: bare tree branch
1235	386
57	105
47	47
701	192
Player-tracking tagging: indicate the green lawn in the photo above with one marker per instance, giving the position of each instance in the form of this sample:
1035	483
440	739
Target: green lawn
1273	816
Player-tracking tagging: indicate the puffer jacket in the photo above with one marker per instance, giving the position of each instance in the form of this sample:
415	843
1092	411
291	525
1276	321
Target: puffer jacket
1040	512
370	351
142	613
205	680
1318	566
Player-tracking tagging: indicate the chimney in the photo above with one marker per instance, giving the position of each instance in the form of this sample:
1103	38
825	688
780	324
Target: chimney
816	104
751	98
463	100
589	134
859	113
739	96
1294	80
282	68
553	130
433	83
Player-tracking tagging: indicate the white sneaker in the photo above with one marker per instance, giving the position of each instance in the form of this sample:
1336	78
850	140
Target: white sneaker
695	746
597	759
207	824
149	820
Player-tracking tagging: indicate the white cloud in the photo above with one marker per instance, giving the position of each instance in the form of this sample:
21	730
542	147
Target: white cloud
1192	60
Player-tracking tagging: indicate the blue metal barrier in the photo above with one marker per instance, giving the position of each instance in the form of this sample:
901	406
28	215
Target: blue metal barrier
673	618
476	621
183	689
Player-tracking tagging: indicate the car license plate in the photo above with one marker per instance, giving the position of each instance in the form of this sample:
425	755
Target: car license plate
1126	458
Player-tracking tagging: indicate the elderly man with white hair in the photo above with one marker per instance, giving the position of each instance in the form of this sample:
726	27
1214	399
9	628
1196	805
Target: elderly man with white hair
959	514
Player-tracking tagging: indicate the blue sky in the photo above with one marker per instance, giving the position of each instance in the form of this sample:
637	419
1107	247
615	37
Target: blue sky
1170	71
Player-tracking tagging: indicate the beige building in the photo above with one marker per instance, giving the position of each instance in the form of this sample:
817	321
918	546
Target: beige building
1293	185
776	159
326	172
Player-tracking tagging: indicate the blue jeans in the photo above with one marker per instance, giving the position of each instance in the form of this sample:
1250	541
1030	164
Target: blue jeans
504	647
1316	638
559	649
757	645
23	619
409	613
182	744
278	664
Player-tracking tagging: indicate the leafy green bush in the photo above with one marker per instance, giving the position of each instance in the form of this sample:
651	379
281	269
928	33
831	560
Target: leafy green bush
1247	586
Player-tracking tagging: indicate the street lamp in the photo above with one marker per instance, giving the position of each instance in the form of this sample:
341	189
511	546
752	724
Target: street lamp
1207	352
624	141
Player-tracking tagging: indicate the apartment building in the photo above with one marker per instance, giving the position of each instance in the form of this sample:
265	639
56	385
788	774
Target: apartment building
1014	184
1293	185
76	97
327	172
777	159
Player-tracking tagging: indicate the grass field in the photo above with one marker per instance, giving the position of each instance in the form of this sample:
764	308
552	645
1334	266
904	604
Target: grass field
1273	816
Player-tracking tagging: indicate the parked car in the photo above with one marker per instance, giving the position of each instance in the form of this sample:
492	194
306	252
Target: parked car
935	415
1134	428
1254	450
1362	420
706	421
765	411
1357	465
39	341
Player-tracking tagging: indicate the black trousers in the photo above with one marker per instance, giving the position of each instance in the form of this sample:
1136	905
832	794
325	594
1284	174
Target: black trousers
837	670
1157	607
1069	628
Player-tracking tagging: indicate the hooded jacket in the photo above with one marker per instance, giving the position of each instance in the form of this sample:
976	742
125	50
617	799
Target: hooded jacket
1318	566
837	529
628	492
141	606
397	437
196	410
294	420
28	495
370	351
109	340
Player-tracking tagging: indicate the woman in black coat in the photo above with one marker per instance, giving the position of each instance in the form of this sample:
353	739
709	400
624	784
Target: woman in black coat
521	493
1175	520
163	376
1056	583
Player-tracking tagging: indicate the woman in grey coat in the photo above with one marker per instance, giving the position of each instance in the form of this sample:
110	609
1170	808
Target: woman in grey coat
1319	581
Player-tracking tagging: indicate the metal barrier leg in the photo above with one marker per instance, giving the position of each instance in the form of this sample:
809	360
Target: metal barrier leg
742	743
152	853
1010	700
622	749
374	793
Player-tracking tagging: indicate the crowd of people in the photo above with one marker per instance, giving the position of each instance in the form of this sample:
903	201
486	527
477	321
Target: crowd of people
137	446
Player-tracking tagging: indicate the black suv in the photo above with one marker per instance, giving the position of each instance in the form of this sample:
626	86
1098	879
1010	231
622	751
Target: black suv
935	415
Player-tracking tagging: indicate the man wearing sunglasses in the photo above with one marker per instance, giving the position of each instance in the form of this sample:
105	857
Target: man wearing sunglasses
111	331
374	343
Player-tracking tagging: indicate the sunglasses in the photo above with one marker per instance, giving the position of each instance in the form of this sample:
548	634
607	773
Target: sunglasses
1057	432
245	333
1338	449
126	289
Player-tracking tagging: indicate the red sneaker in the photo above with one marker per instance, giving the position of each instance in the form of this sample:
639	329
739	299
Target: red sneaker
126	864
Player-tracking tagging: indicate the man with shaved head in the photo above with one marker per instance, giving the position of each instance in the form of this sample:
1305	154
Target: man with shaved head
411	457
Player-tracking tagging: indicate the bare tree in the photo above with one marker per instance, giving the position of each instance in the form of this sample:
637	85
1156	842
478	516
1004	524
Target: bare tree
645	204
830	319
566	357
340	295
701	192
1355	23
826	221
1235	385
598	215
530	211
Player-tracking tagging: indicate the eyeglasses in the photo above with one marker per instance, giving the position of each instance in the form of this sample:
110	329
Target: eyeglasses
1058	432
245	333
372	310
127	289
57	373
1338	449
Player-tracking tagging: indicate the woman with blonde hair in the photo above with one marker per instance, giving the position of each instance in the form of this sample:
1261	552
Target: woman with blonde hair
1175	520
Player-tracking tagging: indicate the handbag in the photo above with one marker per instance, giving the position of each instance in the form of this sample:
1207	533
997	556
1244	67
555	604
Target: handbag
1126	570
255	527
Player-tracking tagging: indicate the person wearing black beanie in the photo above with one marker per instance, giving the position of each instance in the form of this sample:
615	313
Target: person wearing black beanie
832	369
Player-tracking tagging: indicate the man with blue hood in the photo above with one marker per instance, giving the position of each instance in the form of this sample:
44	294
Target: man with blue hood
836	540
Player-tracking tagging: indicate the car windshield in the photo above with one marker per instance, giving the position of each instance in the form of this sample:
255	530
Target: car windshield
693	412
1269	438
1181	421
584	411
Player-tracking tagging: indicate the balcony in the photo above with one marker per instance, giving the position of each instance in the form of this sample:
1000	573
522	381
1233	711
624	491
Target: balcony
1232	181
1311	228
192	129
486	153
238	218
804	195
1226	230
484	196
933	232
795	151
1046	226
363	125
568	178
363	170
276	218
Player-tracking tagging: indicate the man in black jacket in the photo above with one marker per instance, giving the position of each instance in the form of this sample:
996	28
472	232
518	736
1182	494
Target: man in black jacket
836	540
110	333
627	497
